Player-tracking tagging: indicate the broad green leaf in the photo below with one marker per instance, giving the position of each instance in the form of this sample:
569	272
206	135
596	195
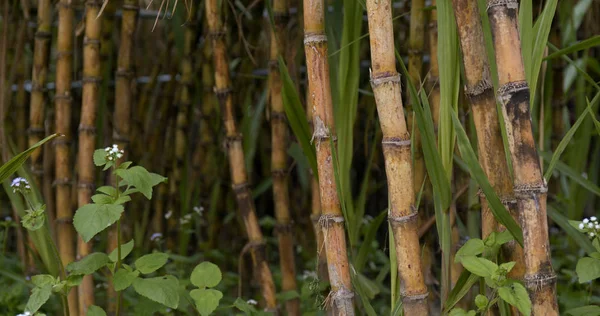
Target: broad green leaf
125	165
244	306
107	190
206	274
296	116
156	179
588	269
589	310
472	247
206	300
516	295
496	206
91	219
122	199
41	280
74	280
15	162
481	301
123	279
151	262
479	266
89	264
507	266
100	157
39	296
125	250
163	289
94	310
102	199
138	177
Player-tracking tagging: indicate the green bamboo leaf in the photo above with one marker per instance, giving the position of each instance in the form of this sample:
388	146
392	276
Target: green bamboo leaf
589	310
497	208
461	288
585	44
15	162
541	30
572	174
297	116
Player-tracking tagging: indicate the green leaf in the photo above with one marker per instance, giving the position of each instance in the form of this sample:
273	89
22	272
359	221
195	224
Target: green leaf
462	312
589	310
581	240
74	280
244	306
287	295
125	165
585	44
156	179
122	199
472	247
94	310
107	190
102	199
496	206
15	162
125	250
123	279
206	274
206	300
100	157
507	266
481	301
296	116
91	219
163	289
516	295
151	262
461	288
479	266
588	269
41	280
138	177
39	296
89	264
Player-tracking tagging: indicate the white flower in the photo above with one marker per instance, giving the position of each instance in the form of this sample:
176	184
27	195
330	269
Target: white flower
306	274
25	313
592	234
199	210
252	302
593	218
156	236
591	225
20	184
597	226
585	220
168	215
581	226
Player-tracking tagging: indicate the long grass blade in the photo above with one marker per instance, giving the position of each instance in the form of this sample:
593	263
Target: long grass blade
585	44
582	240
17	161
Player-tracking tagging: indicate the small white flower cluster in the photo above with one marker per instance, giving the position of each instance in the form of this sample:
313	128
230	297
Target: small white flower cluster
590	226
185	219
20	185
199	210
25	313
252	302
156	237
306	274
113	153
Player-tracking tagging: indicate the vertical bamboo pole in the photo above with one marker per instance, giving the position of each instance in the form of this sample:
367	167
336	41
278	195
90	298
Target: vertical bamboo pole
529	186
331	220
235	151
478	88
39	75
279	157
87	133
402	216
63	100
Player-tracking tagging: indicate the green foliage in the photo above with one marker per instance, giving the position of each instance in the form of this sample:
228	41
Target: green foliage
206	276
91	219
163	290
123	278
39	296
17	161
94	310
590	310
516	295
89	264
125	250
151	262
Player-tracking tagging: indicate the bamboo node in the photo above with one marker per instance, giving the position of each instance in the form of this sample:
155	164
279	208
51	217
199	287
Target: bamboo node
63	181
415	52
94	3
525	191
279	173
539	281
87	129
342	295
327	220
314	38
274	64
37	87
507	90
320	131
510	4
403	219
63	4
60	55
392	78
222	93
64	220
130	7
216	34
283	228
91	79
315	218
35	130
120	139
85	185
36	170
91	41
414	297
240	188
124	73
61	141
65	96
43	35
479	88
395	141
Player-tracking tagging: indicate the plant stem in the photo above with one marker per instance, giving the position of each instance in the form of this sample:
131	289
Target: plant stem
118	305
65	304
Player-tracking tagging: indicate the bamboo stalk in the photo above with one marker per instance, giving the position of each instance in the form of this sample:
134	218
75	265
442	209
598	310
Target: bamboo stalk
331	220
279	157
63	101
529	186
237	166
87	133
39	75
478	88
402	215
